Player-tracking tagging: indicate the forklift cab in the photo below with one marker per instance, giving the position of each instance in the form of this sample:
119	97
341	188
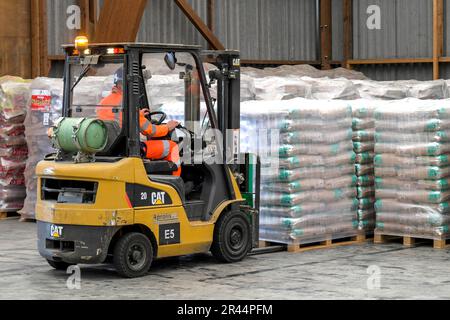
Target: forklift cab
115	193
203	184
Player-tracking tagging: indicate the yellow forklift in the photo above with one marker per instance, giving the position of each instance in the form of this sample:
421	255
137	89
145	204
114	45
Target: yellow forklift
100	200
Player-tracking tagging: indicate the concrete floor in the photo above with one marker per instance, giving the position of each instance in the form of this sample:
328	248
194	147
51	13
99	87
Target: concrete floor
338	273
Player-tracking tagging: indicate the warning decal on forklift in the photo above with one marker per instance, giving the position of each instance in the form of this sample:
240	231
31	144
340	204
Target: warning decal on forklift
169	233
166	218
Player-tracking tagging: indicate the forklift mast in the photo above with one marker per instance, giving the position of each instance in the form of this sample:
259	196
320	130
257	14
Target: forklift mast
228	101
246	167
227	77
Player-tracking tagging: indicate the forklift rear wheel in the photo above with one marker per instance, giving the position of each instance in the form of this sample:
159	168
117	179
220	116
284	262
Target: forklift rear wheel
133	255
232	237
59	265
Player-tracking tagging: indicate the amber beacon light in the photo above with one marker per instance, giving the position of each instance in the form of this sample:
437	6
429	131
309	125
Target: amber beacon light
81	43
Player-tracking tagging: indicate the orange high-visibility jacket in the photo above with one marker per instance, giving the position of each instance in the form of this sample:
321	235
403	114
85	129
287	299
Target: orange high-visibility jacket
106	111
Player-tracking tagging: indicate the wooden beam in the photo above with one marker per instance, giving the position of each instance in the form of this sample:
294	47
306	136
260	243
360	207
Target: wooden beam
45	66
280	62
211	17
438	39
39	41
58	57
15	38
200	25
119	20
93	14
390	61
396	61
88	17
325	33
348	31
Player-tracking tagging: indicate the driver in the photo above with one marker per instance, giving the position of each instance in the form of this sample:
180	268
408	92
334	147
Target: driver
152	149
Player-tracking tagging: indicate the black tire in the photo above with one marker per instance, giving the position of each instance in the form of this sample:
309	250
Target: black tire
232	237
133	255
59	265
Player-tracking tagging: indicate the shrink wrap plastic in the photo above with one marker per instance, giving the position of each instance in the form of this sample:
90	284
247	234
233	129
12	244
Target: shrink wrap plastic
363	125
412	168
308	183
14	94
45	107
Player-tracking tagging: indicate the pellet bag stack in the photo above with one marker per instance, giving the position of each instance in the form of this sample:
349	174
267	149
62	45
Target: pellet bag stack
14	94
412	169
363	145
308	189
44	108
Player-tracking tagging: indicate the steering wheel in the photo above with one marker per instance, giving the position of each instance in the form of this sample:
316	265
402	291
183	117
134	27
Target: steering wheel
157	122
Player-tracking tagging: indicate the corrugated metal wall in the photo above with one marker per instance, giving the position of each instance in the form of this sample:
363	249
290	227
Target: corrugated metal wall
337	21
398	71
57	30
163	22
406	32
446	28
260	29
268	29
445	67
286	30
406	26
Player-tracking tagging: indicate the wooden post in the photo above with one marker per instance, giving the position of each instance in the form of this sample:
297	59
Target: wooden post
39	47
15	38
325	33
88	17
348	32
211	17
93	4
438	30
200	25
408	241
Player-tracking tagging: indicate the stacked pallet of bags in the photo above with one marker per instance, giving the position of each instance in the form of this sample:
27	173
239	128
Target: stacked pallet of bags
44	109
14	93
363	145
412	169
308	189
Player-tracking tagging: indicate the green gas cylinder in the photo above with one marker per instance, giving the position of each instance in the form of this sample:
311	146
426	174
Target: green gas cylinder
88	135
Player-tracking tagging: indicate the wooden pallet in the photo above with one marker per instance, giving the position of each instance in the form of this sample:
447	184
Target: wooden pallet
380	238
6	215
331	243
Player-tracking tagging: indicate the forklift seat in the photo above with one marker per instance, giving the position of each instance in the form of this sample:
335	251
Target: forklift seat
159	167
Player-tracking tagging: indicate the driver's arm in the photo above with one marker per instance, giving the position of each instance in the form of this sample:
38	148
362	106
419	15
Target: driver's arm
152	130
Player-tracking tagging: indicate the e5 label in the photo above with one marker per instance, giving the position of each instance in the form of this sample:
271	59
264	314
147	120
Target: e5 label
169	233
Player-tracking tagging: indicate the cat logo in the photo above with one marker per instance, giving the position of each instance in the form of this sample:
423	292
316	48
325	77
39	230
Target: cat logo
158	198
56	231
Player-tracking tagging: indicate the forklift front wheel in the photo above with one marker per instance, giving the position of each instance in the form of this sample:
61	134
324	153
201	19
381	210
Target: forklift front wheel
232	237
133	255
59	265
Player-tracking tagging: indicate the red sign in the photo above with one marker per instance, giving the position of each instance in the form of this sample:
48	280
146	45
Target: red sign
41	100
